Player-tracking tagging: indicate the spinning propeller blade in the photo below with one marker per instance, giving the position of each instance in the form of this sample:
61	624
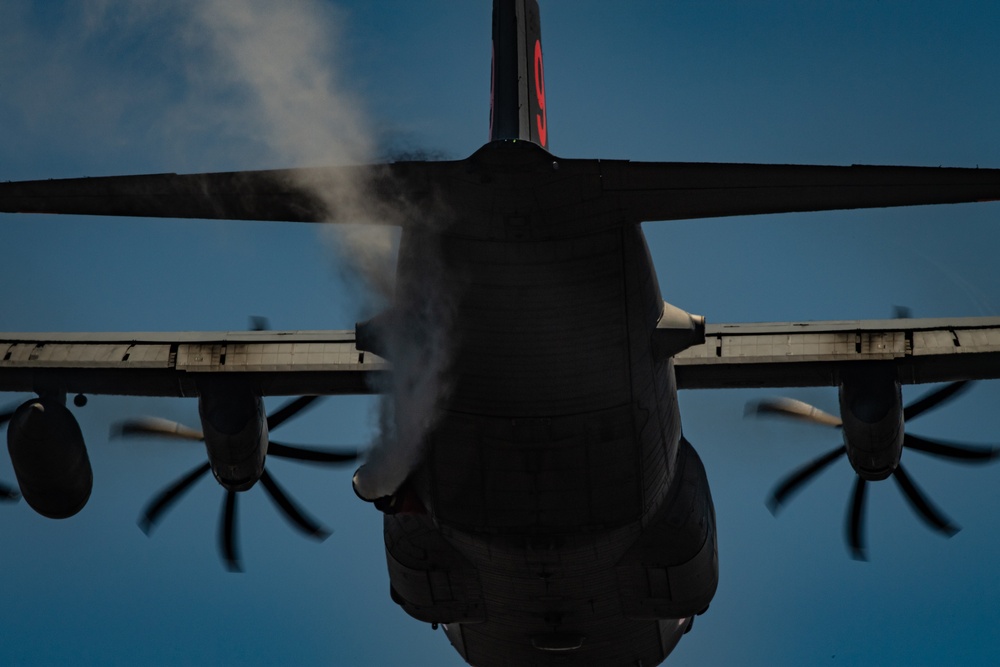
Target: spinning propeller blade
8	493
157	427
856	520
789	407
288	410
227	533
800	476
922	505
7	413
297	453
166	498
292	512
951	450
934	399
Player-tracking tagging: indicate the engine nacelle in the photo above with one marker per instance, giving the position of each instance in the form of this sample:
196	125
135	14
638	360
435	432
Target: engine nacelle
672	571
49	458
871	407
235	428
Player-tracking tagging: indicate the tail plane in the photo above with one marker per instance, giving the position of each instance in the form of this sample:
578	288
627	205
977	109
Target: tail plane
517	86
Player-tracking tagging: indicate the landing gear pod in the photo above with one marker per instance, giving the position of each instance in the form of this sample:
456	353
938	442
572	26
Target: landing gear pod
49	458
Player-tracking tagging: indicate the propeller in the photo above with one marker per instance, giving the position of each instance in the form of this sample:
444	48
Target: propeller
916	498
8	493
289	509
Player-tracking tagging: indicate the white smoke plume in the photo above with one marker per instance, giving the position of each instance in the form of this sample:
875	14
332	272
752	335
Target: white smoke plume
279	59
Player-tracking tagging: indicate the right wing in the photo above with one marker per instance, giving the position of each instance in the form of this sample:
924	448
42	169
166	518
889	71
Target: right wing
813	354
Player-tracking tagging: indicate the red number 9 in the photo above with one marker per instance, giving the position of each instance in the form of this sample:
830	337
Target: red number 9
540	118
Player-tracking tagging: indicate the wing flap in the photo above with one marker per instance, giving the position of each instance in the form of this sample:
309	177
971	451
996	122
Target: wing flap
136	364
812	354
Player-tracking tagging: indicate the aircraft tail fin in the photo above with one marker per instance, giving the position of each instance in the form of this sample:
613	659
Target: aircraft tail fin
517	87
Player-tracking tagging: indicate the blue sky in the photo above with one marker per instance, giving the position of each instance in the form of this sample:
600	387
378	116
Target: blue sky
95	89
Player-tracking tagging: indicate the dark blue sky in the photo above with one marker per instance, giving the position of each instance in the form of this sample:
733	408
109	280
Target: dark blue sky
105	88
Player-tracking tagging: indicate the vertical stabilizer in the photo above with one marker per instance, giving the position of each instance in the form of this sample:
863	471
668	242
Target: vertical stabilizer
517	87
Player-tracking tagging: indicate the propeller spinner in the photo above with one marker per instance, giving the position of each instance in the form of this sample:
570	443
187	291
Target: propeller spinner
220	446
917	499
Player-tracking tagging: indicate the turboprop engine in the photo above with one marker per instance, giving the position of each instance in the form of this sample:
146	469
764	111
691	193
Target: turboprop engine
872	417
234	427
871	409
49	458
236	434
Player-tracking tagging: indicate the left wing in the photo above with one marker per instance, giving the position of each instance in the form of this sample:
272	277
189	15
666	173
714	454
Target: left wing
273	363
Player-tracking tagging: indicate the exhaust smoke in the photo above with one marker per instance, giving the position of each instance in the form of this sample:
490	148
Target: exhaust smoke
284	55
275	64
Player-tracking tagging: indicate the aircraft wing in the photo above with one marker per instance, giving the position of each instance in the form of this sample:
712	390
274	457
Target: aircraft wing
505	178
277	363
290	363
812	354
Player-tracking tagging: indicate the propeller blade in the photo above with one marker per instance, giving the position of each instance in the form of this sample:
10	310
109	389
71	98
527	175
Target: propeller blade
934	399
7	413
312	455
162	502
856	521
290	409
157	427
789	407
921	504
227	533
8	493
291	511
800	476
951	450
259	323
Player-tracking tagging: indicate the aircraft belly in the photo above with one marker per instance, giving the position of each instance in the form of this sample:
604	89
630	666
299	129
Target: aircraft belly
617	597
552	600
557	416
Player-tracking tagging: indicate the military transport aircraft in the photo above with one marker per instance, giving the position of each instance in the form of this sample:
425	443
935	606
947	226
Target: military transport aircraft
506	336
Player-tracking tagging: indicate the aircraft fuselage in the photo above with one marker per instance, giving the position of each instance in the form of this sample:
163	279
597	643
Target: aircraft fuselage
561	497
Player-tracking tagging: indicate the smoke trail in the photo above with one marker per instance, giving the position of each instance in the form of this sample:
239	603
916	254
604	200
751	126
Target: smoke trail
280	56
